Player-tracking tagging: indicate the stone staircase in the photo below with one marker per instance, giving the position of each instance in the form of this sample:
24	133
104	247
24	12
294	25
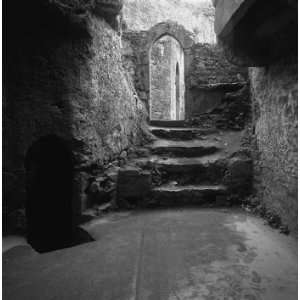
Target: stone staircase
204	161
182	166
188	165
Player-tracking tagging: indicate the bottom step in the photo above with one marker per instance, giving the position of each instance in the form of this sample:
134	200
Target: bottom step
168	123
170	195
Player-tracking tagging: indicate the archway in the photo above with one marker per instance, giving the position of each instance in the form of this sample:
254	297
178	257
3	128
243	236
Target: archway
49	194
167	101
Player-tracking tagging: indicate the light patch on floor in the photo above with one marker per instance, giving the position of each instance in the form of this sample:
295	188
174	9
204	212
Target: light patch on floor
9	242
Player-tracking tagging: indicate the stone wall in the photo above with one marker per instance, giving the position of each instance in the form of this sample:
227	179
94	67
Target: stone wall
197	17
133	44
209	78
274	94
264	37
64	78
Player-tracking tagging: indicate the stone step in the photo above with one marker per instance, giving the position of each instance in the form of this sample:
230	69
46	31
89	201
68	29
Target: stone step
169	123
193	148
180	133
170	195
198	170
191	170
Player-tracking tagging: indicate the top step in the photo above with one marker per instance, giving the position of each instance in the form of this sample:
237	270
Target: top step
169	123
181	133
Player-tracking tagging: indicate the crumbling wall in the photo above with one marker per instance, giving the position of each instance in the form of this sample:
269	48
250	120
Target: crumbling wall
64	76
210	77
275	101
133	45
195	16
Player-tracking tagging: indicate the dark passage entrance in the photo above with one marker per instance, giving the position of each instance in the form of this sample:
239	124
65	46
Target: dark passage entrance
49	194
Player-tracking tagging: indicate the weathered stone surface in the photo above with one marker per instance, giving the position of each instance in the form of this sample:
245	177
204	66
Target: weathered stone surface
209	77
239	177
263	33
133	186
68	81
232	112
195	16
209	66
274	92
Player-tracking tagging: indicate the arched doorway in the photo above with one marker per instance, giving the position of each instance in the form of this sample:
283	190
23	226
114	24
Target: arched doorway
49	194
167	101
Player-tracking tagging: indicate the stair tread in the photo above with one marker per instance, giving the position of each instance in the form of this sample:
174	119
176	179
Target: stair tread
181	129
182	161
189	161
183	144
173	188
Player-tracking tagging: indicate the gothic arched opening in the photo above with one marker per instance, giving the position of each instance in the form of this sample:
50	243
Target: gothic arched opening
167	79
49	175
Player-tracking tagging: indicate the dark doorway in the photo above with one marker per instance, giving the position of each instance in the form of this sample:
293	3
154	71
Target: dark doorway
177	91
49	194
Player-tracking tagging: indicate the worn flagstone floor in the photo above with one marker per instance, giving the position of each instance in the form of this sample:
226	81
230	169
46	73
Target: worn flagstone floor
190	253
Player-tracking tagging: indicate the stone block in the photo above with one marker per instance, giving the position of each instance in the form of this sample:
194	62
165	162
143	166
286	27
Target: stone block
133	185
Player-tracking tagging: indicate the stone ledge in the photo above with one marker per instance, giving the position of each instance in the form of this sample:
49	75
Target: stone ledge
256	33
227	87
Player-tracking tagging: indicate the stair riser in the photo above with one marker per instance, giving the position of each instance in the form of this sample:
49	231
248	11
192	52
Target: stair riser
184	152
192	174
170	124
175	135
186	198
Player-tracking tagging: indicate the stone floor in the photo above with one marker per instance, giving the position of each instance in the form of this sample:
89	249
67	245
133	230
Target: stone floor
161	255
